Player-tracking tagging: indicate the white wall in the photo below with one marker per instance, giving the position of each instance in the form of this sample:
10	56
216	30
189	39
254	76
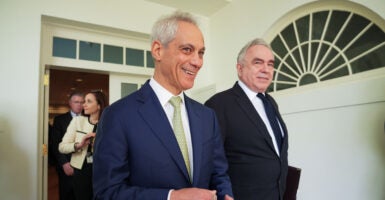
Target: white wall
336	128
225	33
19	72
336	135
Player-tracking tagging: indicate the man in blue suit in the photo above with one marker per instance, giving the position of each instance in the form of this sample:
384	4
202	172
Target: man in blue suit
137	154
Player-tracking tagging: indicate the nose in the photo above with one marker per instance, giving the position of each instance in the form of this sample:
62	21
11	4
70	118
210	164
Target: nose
197	60
266	67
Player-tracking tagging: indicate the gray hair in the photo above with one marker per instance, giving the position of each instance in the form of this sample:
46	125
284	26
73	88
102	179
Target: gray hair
165	28
256	41
76	93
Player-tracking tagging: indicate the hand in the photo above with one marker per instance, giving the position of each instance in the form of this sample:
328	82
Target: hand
67	168
227	197
193	194
86	140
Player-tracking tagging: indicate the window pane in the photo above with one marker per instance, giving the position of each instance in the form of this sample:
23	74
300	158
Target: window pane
113	54
284	86
128	88
372	60
64	47
150	61
307	79
303	28
354	27
336	74
134	57
370	39
89	51
279	47
319	21
289	36
338	19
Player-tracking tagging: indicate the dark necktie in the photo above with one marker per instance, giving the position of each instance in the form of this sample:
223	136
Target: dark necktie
272	116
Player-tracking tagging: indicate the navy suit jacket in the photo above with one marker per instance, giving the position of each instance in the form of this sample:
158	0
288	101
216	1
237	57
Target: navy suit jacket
137	155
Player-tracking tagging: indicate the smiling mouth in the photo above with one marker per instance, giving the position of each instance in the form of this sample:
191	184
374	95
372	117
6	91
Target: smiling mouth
188	72
263	76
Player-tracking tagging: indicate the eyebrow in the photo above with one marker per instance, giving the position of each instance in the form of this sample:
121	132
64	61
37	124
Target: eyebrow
192	46
260	59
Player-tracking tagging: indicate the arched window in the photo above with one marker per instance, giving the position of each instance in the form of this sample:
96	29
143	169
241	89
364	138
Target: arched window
325	40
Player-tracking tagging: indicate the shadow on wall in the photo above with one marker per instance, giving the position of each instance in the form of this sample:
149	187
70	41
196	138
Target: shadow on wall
380	147
15	179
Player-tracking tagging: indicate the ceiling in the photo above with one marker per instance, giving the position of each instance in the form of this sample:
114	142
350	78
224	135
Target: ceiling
62	83
202	7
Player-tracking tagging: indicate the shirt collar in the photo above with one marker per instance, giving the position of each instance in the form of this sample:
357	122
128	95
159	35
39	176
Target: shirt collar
249	93
74	114
162	93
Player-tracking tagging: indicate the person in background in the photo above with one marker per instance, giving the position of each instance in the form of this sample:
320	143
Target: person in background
78	141
255	136
59	127
51	150
157	143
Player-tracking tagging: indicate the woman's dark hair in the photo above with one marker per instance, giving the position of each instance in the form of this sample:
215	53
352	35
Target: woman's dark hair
100	99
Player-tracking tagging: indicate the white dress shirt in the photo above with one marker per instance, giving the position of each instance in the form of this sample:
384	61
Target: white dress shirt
258	105
164	96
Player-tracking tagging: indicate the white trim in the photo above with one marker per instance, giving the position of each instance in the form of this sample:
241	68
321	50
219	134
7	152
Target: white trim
325	5
315	65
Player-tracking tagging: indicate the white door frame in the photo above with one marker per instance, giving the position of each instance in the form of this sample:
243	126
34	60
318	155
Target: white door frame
118	73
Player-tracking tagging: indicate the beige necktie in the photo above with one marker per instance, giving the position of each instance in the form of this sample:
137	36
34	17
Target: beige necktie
179	131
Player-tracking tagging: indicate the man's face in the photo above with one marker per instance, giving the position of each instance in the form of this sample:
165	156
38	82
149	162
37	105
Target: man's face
257	68
178	64
76	104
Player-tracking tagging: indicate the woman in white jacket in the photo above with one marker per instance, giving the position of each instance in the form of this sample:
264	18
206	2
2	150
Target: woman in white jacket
78	140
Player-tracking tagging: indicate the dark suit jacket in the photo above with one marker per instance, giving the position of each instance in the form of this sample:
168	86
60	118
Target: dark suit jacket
137	155
255	169
60	125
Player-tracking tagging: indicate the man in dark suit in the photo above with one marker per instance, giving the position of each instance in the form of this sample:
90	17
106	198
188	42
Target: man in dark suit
148	146
255	149
63	167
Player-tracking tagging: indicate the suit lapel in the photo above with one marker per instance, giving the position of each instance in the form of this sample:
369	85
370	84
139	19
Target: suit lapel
247	107
196	130
155	117
283	125
68	118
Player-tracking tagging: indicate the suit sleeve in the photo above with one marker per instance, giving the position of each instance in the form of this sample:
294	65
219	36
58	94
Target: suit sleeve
111	167
211	103
220	180
58	132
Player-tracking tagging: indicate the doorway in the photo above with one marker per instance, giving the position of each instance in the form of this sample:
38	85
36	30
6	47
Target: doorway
84	55
61	84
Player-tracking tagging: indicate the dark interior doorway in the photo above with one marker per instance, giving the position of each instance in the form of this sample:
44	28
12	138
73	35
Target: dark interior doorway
61	84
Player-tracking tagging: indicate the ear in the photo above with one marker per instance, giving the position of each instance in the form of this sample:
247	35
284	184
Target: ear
239	68
156	50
